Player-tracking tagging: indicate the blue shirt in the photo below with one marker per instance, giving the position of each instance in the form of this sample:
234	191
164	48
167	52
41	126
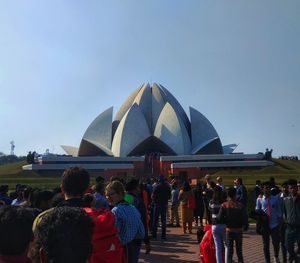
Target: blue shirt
275	209
128	222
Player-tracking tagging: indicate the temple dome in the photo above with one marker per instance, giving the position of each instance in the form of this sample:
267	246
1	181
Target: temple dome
150	120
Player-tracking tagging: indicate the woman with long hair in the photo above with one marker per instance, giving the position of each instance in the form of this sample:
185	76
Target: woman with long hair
187	207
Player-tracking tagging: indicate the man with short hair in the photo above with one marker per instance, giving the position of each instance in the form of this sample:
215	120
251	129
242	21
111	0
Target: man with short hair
75	181
133	190
106	243
160	196
15	234
63	235
233	214
270	206
291	215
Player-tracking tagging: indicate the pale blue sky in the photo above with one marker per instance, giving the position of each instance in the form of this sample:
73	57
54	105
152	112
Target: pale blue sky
64	62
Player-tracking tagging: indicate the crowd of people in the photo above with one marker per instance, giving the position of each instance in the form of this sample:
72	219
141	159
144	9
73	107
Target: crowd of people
111	220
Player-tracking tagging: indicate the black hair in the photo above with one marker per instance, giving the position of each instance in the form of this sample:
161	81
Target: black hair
240	180
267	184
99	187
75	181
285	183
132	184
218	196
40	197
231	192
186	186
4	189
15	229
292	182
257	181
27	192
65	234
100	179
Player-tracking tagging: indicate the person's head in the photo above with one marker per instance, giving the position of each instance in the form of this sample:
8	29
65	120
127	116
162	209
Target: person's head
218	195
231	192
207	178
42	199
219	180
19	190
132	186
266	187
63	235
199	185
293	188
239	181
27	193
99	187
272	182
114	192
212	185
4	189
258	182
15	230
100	179
186	186
285	187
75	181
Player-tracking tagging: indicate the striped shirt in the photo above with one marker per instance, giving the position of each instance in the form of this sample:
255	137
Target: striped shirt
129	223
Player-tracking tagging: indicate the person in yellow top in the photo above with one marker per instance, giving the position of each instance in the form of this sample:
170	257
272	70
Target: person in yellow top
187	207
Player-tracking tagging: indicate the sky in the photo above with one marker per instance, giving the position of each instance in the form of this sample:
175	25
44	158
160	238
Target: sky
64	62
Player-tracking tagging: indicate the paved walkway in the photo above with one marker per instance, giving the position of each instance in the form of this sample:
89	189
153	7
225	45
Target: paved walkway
184	248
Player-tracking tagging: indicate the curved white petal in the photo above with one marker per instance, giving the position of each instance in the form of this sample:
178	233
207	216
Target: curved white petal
100	129
132	130
171	130
177	107
143	100
158	103
93	148
202	130
70	150
123	109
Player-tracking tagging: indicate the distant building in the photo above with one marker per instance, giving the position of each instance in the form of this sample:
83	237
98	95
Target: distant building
150	134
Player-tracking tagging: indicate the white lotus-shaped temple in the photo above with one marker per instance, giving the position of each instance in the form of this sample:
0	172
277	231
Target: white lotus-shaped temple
150	120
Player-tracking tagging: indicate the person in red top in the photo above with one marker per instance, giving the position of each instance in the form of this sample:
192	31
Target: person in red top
15	234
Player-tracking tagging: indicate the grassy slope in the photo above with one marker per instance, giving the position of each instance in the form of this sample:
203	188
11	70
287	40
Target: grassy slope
12	174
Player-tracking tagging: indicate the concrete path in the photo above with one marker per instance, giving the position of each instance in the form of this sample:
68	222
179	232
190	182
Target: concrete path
184	248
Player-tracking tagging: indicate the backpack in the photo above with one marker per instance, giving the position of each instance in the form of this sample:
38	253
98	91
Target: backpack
107	246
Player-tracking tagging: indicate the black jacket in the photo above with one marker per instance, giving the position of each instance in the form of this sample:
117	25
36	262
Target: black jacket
233	214
161	194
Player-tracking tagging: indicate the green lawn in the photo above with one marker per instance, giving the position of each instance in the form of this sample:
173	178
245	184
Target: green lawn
13	174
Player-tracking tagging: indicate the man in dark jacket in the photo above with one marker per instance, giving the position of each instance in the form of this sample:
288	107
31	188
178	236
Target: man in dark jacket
133	189
291	216
233	214
160	196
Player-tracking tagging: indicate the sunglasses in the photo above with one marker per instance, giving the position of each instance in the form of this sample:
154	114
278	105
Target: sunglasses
111	194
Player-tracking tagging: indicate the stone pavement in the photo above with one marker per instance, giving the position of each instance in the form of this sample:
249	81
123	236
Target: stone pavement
184	248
